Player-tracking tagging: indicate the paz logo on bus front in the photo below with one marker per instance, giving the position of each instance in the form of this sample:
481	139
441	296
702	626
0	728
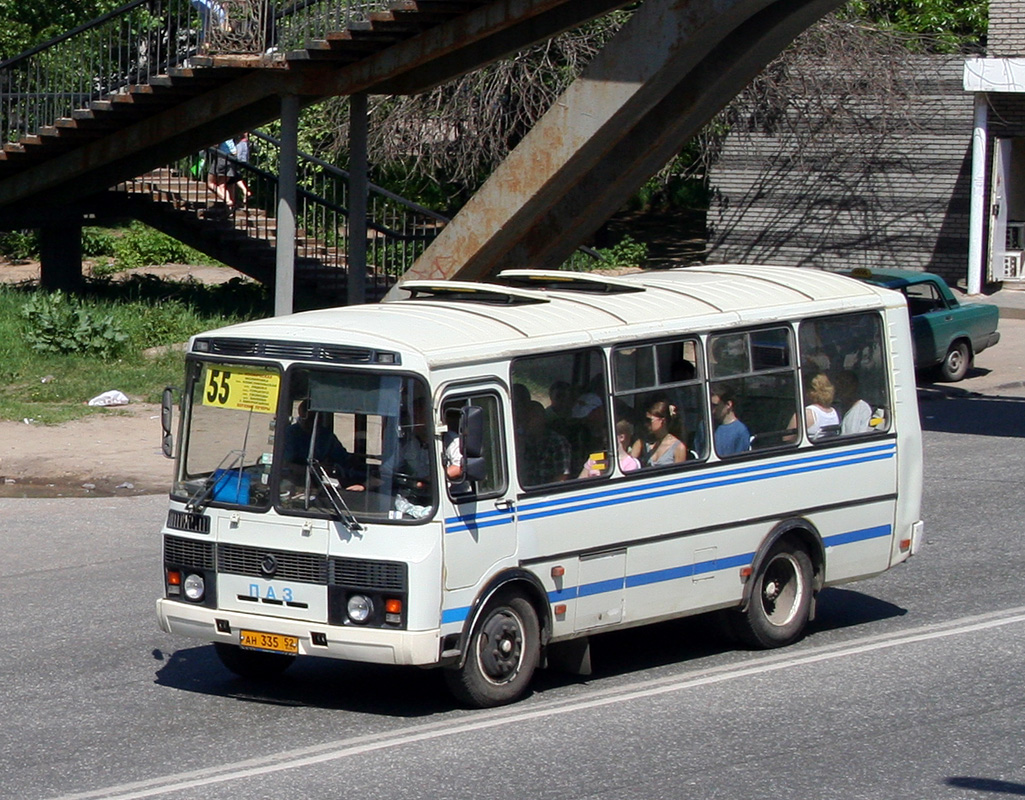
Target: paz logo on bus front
244	389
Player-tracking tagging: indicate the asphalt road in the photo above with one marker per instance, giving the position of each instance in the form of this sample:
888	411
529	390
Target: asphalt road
908	685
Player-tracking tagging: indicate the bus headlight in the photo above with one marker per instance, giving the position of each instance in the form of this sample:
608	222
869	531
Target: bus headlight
360	608
195	587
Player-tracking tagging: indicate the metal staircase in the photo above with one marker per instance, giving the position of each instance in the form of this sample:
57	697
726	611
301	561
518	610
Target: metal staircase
81	124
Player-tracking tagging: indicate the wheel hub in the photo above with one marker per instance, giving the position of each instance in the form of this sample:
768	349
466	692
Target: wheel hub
501	647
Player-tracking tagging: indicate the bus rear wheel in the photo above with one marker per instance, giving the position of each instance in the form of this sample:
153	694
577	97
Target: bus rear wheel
252	664
503	653
780	601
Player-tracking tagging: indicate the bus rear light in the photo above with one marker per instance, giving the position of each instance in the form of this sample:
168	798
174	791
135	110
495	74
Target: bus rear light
905	545
745	573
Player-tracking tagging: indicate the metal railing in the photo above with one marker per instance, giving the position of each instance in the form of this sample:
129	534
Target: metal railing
146	38
398	230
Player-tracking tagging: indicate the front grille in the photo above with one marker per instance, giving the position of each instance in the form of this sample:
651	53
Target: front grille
383	576
303	567
298	351
188	553
184	521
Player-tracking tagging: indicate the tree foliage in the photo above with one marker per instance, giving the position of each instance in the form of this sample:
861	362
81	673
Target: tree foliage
26	24
950	26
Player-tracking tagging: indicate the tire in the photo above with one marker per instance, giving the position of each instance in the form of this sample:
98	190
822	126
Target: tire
956	363
503	653
252	664
780	601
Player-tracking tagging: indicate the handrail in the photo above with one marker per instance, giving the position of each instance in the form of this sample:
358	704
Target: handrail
344	175
144	38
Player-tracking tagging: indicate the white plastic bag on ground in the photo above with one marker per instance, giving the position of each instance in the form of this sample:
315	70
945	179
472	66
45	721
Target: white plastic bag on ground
111	398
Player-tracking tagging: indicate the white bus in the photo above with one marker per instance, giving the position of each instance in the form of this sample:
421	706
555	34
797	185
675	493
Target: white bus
483	475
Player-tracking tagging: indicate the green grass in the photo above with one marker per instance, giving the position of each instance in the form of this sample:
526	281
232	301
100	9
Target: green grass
53	387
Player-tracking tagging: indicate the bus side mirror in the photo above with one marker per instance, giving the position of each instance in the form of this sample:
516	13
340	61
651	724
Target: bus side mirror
166	420
471	442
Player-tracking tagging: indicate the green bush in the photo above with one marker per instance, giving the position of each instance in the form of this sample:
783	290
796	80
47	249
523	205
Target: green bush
625	253
59	323
142	246
19	245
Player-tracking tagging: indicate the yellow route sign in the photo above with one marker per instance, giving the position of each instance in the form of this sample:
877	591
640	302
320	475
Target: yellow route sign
243	388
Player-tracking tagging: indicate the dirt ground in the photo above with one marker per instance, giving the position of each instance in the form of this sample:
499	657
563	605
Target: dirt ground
113	452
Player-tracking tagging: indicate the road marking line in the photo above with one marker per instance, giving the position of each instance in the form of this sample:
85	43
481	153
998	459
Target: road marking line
347	748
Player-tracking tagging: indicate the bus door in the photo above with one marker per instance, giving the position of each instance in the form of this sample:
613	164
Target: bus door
479	516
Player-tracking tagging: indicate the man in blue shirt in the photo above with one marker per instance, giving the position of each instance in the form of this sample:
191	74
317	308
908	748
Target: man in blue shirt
731	435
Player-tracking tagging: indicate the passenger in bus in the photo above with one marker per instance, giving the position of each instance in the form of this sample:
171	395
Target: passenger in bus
857	414
560	400
627	463
731	436
660	447
544	455
820	418
327	450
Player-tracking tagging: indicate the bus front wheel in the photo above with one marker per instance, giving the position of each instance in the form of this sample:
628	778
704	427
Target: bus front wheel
780	601
252	664
504	648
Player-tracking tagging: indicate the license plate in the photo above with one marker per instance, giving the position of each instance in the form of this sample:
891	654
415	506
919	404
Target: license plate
274	642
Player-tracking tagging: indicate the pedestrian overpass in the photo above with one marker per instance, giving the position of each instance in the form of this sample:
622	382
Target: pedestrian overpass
106	121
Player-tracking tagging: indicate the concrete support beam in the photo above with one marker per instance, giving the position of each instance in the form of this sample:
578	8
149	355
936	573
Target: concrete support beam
284	272
359	185
60	257
666	74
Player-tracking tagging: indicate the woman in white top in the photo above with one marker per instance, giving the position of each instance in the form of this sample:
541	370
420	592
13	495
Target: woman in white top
820	418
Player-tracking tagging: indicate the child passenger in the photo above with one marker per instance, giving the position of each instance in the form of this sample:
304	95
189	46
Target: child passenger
627	463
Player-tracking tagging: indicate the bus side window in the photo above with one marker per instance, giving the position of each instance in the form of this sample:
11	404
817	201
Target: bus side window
754	402
560	412
848	351
662	379
494	480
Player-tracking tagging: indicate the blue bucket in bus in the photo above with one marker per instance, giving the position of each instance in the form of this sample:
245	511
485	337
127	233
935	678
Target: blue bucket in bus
231	486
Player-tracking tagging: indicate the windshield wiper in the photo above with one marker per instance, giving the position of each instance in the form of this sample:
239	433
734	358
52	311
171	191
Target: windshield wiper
316	469
220	473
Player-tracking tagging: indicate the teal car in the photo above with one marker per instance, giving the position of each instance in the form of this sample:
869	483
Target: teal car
947	334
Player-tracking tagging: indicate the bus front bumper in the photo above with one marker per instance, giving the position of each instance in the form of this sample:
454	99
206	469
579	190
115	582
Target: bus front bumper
350	643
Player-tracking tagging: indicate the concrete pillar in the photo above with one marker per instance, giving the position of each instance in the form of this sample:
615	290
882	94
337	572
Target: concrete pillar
977	251
288	165
358	183
60	257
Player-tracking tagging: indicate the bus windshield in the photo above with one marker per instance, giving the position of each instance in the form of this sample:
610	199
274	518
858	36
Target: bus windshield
350	444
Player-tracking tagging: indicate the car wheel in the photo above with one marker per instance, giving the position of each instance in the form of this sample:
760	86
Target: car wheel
955	365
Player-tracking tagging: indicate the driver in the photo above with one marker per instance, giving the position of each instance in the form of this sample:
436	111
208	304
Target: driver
327	450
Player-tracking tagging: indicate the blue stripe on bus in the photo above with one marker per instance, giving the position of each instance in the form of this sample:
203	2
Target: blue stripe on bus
864	534
567	593
671	486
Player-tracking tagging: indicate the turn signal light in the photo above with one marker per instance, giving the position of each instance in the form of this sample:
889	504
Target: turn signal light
174	577
393	606
905	545
558	572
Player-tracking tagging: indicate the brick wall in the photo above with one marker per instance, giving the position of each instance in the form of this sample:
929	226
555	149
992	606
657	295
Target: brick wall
872	188
1006	33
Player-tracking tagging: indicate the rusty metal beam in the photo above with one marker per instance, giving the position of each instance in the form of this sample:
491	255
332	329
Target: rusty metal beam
668	71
